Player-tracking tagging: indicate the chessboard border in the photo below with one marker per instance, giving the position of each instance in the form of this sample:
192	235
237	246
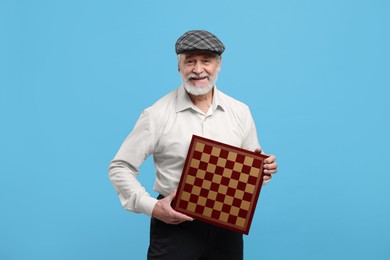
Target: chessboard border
175	204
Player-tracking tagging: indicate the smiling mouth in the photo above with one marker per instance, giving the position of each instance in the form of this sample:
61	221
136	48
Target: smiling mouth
197	78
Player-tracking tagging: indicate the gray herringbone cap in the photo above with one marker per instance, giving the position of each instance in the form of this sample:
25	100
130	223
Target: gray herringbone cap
199	40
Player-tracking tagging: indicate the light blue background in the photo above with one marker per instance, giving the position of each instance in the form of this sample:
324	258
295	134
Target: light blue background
75	75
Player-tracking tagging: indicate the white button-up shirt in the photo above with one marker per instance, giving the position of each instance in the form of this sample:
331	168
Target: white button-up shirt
165	130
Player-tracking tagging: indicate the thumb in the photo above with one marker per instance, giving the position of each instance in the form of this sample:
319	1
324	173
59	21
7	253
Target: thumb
258	150
171	196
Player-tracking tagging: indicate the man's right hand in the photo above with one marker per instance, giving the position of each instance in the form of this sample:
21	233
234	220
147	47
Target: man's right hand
164	212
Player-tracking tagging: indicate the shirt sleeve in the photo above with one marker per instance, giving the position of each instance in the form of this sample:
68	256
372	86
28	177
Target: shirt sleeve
124	168
251	141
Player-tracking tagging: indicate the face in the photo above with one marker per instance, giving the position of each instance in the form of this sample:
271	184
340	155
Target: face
199	71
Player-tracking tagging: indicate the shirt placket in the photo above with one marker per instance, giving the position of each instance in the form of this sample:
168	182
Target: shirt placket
205	120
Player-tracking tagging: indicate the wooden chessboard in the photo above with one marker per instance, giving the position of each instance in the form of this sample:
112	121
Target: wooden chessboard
220	184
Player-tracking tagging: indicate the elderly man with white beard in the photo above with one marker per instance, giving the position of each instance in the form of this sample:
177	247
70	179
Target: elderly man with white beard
164	130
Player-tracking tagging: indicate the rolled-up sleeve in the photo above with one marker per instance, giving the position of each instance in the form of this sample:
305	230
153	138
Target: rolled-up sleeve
124	168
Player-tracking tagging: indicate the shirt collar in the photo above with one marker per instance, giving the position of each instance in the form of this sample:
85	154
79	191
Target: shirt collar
184	102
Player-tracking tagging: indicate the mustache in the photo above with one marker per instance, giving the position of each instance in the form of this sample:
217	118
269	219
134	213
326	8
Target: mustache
196	76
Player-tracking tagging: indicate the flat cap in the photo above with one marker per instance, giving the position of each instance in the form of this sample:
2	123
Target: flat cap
199	40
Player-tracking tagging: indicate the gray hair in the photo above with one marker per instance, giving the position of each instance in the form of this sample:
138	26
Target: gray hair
217	57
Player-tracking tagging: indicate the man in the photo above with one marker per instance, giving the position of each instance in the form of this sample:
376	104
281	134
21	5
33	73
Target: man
165	130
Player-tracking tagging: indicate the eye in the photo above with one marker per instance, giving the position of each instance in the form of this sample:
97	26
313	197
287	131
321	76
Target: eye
189	62
208	60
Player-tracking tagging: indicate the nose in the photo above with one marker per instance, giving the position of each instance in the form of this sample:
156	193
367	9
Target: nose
198	68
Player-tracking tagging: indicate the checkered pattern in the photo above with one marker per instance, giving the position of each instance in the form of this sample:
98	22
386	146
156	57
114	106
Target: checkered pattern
220	184
198	40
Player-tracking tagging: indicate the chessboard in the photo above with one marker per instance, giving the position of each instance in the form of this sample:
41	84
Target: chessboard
220	184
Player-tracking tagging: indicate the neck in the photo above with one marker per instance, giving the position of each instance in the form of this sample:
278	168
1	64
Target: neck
203	102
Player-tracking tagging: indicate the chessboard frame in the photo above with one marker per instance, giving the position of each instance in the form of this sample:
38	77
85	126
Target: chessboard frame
181	202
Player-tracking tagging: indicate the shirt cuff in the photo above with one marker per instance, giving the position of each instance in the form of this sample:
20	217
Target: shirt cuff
146	205
265	182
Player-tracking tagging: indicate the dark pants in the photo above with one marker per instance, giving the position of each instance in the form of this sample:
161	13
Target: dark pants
193	240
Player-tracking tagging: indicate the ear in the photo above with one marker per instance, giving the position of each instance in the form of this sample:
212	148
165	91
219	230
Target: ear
219	63
178	68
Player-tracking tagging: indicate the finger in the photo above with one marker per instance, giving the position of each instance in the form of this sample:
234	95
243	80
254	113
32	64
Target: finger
270	159
185	217
269	172
171	196
270	166
181	217
267	177
176	222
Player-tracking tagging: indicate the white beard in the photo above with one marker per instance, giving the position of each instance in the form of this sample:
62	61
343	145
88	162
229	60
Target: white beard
198	90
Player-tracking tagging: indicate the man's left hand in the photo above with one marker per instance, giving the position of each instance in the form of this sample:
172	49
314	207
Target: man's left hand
270	166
